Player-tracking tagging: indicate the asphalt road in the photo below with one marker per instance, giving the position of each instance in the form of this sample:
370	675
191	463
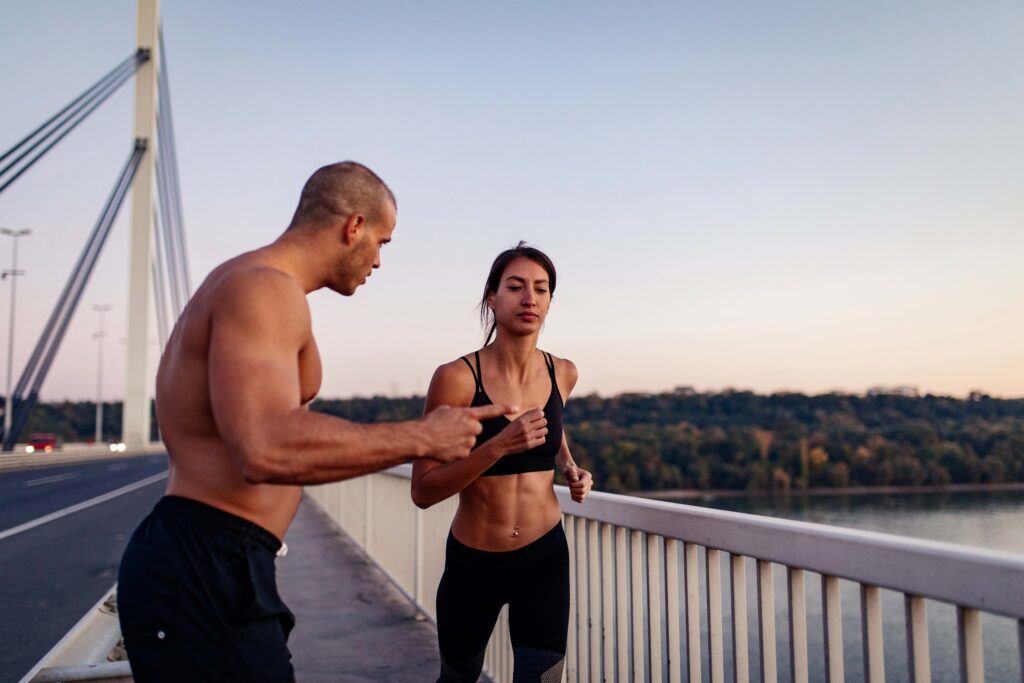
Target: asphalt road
52	572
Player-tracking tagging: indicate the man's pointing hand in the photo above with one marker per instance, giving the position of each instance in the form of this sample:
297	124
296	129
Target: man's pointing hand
451	432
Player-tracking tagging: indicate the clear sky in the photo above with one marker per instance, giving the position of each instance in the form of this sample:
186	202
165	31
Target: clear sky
784	195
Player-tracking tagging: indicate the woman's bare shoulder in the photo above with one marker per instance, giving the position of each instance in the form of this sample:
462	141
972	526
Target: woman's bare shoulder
451	385
565	372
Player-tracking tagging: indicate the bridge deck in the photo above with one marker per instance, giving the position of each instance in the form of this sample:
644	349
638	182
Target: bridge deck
352	624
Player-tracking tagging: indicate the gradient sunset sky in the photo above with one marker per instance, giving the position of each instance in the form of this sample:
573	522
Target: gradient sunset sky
805	196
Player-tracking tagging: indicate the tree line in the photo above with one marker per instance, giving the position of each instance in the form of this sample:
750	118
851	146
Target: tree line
743	440
734	439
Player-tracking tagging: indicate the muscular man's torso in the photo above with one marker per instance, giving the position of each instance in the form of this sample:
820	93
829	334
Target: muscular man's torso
202	466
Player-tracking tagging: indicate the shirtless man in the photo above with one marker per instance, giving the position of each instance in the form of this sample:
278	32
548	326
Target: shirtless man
197	595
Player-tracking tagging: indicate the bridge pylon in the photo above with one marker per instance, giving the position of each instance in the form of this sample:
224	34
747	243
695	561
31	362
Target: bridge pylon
135	424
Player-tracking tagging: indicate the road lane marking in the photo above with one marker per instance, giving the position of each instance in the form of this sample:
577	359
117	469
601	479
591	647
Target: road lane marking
78	507
50	480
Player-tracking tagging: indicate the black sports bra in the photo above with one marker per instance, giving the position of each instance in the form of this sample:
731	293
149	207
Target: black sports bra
536	459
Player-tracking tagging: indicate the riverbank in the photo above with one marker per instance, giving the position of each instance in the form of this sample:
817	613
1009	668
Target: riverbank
696	494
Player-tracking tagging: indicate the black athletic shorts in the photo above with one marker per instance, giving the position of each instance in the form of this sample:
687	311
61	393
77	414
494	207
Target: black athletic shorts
197	598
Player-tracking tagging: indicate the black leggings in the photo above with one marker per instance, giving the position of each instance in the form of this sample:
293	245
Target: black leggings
533	581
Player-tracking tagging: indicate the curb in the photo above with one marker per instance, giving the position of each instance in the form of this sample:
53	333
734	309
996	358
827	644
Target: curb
81	655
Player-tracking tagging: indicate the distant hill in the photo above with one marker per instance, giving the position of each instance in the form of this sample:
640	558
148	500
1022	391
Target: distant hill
734	439
742	440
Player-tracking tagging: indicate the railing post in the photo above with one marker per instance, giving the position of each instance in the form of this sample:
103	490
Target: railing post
367	524
594	599
1020	646
675	647
654	605
335	504
713	576
692	611
871	627
571	668
740	655
766	620
417	568
622	609
636	572
832	616
972	663
582	602
797	625
607	602
917	639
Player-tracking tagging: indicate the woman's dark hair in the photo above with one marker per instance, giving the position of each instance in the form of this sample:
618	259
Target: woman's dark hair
506	257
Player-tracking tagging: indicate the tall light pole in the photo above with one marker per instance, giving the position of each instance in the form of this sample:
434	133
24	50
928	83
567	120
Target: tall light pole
99	336
13	273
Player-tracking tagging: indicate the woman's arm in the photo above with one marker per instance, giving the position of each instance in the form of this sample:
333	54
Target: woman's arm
563	461
580	481
566	375
433	482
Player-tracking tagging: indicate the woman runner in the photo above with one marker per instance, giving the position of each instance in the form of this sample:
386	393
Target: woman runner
506	544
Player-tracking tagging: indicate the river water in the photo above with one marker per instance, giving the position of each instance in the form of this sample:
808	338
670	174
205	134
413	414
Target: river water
991	520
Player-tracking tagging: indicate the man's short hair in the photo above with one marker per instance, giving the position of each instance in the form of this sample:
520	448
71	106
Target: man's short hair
338	191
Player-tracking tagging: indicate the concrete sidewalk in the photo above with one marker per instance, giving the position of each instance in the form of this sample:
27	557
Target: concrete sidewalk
352	624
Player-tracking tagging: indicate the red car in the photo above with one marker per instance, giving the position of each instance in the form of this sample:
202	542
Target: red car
43	442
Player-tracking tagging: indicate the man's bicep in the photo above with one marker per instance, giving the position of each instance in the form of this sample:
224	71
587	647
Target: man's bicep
253	370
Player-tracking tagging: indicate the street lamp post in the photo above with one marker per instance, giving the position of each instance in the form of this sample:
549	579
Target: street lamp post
99	337
13	273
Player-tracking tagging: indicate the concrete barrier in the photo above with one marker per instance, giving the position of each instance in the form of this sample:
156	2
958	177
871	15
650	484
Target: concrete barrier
108	672
83	653
71	455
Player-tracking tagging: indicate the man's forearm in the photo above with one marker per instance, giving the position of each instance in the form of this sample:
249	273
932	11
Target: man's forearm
331	474
313	448
443	482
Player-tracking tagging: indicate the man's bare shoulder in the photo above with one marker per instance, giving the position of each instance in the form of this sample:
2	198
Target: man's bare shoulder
242	280
254	287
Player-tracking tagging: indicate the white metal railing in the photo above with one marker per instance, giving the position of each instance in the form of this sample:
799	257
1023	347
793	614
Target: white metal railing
649	582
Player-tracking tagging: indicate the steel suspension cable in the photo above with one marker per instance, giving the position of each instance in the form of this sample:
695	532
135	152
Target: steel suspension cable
66	125
46	349
174	176
107	87
66	295
172	255
138	58
30	367
159	283
164	195
121	191
29	402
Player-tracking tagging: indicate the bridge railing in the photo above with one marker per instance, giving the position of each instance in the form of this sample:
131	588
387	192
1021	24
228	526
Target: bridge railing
662	591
